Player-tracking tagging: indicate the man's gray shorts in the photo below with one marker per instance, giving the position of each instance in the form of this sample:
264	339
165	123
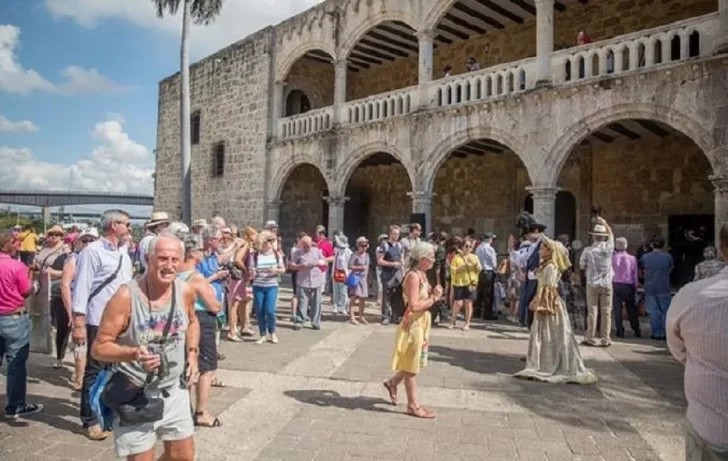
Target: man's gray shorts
176	424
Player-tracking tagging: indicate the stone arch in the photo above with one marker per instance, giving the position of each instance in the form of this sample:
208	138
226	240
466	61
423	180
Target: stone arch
371	21
289	59
286	169
441	152
361	153
438	10
559	153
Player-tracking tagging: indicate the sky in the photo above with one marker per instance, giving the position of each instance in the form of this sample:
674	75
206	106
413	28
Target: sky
78	86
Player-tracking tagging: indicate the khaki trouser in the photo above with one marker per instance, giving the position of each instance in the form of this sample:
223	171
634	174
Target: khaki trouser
598	299
697	449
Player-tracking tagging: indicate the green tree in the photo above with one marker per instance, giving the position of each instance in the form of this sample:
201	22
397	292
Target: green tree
201	12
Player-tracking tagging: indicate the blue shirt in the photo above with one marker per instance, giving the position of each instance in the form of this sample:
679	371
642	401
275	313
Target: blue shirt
94	264
657	266
208	267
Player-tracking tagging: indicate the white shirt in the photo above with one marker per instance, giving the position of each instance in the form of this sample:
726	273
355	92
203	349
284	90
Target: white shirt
487	256
697	336
94	264
597	261
144	249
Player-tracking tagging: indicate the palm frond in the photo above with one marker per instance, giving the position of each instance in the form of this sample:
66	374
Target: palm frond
170	6
205	11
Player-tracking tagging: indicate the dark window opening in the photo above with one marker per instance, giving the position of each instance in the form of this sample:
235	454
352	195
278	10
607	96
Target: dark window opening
297	103
694	44
218	160
195	128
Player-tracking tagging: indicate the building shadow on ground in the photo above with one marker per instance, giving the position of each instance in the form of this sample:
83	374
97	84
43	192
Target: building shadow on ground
329	398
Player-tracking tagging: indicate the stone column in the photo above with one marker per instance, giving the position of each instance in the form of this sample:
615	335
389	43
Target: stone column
273	211
544	41
721	203
721	45
422	203
544	206
277	110
340	91
336	213
426	38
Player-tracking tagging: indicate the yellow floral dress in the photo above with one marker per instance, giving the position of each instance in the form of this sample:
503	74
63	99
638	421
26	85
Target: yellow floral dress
412	337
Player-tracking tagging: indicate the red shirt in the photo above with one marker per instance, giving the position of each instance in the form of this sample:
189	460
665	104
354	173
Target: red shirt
327	250
14	283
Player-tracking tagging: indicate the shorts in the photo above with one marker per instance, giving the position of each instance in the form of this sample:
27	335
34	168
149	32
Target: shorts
207	359
237	290
176	424
464	294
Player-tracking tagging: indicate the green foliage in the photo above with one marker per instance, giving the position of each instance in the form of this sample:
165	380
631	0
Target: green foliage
202	11
8	220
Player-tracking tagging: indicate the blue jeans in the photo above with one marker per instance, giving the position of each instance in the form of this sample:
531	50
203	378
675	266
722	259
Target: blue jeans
341	297
265	299
310	297
657	306
15	345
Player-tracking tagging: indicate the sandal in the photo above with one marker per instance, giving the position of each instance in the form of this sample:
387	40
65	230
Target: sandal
217	383
392	391
215	422
235	338
419	412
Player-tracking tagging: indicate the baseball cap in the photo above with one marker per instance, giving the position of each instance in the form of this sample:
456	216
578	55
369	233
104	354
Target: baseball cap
89	232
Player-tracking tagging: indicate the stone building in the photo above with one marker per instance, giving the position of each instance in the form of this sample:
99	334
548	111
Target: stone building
344	115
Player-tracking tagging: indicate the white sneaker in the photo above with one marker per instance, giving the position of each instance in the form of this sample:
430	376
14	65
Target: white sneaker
273	338
260	340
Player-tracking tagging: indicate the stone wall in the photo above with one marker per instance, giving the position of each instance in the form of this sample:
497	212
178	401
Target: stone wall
482	192
640	182
315	79
230	90
378	198
302	203
603	20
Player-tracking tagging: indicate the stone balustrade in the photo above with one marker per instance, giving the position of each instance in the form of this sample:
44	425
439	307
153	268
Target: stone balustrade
307	123
484	84
674	42
381	106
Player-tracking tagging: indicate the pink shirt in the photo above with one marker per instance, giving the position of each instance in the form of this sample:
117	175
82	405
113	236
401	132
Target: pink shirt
327	250
625	268
14	283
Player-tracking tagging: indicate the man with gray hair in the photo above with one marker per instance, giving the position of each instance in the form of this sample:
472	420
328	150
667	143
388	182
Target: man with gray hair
101	268
624	287
596	260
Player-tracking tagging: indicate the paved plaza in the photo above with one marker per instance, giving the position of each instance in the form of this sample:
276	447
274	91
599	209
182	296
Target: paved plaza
318	396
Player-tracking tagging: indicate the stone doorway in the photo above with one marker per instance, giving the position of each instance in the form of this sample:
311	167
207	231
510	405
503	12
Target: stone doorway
303	204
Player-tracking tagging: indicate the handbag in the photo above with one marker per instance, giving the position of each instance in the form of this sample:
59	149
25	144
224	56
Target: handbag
127	399
352	281
340	276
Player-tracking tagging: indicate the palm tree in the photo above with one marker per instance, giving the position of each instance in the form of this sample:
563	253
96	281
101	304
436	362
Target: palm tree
201	12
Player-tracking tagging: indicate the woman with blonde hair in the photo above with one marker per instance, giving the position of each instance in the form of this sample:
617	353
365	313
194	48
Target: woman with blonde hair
413	333
265	265
464	272
553	355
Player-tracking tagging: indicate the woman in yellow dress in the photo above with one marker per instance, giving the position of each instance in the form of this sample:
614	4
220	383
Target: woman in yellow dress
553	355
413	333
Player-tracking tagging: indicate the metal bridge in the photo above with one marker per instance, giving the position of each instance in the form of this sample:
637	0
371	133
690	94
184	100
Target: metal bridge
49	199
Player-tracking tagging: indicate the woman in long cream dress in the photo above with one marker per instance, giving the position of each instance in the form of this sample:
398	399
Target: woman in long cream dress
553	354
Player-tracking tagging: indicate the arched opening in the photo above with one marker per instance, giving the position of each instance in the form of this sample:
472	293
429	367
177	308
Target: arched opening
565	222
297	103
303	204
384	59
377	191
648	179
481	185
309	83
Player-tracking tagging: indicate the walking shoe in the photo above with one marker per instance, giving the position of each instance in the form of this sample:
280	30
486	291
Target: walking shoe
638	334
273	338
385	321
96	433
620	334
261	340
296	326
315	327
588	343
25	410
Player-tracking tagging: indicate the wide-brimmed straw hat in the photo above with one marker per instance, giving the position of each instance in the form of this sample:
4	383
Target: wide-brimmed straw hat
56	230
158	217
600	230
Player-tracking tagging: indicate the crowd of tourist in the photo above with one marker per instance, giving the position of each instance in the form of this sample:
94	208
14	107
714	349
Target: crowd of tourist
157	310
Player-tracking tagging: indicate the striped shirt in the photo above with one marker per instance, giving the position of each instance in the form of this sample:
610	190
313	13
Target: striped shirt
264	265
697	335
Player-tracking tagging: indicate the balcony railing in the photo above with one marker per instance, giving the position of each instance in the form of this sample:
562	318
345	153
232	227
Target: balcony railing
307	123
484	84
381	106
645	49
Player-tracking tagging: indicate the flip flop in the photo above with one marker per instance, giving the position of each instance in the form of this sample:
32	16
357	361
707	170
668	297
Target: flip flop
392	391
215	422
420	412
217	383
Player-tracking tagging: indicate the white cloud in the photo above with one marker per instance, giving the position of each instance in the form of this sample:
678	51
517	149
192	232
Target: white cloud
22	126
16	79
116	164
238	18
